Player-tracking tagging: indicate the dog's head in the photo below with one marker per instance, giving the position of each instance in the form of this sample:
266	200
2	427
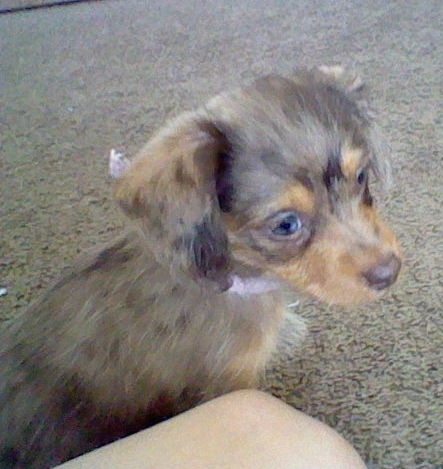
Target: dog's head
270	181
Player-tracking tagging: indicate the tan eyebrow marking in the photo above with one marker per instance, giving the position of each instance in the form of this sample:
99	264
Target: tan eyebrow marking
296	196
352	159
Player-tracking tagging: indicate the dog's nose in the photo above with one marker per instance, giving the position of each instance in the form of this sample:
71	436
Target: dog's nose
384	274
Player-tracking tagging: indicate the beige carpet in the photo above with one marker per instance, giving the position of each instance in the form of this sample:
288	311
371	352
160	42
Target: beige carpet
77	81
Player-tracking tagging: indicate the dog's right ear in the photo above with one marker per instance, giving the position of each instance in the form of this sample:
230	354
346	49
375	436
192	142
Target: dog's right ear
346	79
176	189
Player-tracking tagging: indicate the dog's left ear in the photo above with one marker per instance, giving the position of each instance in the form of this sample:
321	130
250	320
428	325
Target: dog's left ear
176	189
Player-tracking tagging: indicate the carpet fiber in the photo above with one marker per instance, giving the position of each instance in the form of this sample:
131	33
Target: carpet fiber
80	80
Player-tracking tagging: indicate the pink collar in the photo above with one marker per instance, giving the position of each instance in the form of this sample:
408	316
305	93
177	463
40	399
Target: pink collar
252	285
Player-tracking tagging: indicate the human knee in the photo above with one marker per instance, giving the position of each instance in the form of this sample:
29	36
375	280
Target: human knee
250	405
286	432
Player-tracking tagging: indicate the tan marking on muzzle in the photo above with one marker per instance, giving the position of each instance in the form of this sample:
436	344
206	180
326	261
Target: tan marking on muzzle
333	267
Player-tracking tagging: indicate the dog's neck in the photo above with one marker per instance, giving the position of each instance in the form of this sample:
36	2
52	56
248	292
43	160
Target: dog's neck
252	285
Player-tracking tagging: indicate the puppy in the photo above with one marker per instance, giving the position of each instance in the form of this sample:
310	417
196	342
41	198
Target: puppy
264	188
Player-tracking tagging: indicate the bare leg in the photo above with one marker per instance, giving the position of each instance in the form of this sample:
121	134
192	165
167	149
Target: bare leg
245	429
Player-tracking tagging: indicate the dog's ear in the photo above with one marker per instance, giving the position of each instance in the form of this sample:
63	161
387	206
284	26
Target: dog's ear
174	189
347	81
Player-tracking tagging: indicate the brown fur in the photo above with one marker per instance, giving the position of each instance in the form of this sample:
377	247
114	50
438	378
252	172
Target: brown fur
156	322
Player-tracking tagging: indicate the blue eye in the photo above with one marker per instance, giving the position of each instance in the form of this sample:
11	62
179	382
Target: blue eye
288	224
